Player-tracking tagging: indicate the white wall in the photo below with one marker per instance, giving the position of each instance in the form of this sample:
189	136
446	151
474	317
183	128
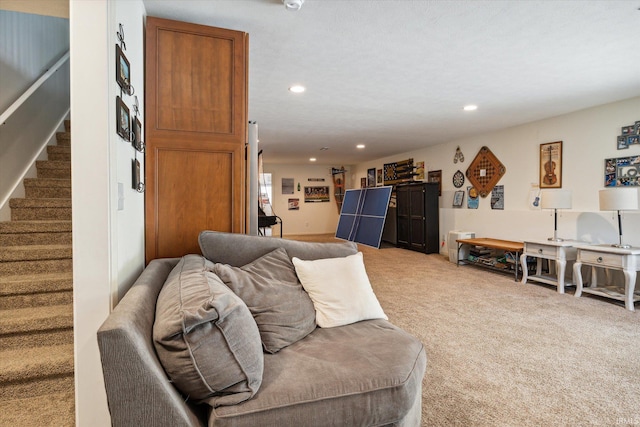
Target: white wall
589	136
29	45
108	244
130	220
311	218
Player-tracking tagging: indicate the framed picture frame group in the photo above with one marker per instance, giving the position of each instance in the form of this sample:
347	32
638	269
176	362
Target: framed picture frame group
622	172
629	135
128	124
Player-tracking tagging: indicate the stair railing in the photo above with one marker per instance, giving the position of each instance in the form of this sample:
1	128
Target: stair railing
43	78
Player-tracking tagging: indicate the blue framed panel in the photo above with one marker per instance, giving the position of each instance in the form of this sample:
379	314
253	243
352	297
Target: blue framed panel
363	214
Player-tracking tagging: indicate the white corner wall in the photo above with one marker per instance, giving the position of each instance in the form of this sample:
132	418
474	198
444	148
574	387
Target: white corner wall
107	243
589	137
311	218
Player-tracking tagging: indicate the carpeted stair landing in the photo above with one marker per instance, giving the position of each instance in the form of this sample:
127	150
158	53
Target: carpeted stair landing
36	298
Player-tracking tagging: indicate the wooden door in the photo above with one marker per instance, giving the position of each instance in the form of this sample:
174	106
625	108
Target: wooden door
196	129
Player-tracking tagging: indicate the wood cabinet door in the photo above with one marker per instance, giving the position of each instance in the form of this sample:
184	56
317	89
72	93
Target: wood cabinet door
195	129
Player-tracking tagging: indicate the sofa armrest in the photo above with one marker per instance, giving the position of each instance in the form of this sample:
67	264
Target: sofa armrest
138	390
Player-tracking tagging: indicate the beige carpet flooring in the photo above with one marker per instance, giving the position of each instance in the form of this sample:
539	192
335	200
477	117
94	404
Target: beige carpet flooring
500	353
505	354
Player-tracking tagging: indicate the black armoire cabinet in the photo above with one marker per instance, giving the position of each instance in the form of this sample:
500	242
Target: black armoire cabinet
417	216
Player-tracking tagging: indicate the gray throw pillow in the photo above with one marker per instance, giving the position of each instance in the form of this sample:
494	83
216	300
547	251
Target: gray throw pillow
270	288
205	336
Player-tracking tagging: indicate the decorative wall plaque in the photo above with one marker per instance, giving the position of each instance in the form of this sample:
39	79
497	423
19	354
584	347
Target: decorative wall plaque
485	171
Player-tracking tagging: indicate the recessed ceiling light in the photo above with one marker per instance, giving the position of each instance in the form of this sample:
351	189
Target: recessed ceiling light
313	159
297	89
470	107
361	146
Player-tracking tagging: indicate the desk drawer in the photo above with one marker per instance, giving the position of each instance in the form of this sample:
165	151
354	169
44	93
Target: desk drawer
543	251
603	259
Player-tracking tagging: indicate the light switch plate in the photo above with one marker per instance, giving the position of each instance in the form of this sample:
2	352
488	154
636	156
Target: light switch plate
120	196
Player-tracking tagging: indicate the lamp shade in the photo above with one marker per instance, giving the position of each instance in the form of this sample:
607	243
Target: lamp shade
555	199
619	199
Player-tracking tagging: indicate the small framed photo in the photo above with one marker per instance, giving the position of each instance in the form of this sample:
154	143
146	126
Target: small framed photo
633	139
622	143
458	197
551	165
136	135
436	176
123	70
135	174
628	130
123	119
371	177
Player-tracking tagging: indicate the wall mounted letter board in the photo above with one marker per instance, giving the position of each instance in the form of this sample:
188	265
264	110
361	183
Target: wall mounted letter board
363	214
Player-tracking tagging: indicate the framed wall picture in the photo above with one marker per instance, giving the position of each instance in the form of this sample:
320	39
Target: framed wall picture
136	135
458	197
123	70
123	119
371	177
316	194
436	176
551	165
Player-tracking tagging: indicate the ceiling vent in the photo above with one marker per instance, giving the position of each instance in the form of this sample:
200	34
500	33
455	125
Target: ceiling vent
293	5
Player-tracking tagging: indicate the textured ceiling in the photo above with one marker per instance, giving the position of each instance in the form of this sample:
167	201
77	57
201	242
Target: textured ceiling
395	74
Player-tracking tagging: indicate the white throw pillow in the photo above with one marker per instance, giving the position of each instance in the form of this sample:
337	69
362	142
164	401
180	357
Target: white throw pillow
340	290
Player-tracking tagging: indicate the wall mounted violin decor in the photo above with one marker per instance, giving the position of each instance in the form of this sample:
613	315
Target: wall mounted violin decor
551	165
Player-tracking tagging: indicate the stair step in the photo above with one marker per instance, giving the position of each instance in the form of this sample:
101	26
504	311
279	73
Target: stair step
42	387
23	239
36	290
67	125
35	283
52	409
47	188
53	169
63	138
35	252
37	339
13	268
35	227
59	153
32	370
36	319
20	233
40	209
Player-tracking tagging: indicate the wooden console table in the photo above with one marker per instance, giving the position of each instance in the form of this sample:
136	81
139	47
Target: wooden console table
508	246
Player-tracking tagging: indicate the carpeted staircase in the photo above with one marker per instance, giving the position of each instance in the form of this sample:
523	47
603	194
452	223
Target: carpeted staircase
36	298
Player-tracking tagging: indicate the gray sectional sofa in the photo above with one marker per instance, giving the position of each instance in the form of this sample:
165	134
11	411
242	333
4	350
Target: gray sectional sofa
367	373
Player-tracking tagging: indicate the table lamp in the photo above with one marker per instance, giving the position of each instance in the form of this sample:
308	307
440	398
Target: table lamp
619	199
555	199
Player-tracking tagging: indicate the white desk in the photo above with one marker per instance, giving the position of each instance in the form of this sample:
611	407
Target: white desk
606	256
560	252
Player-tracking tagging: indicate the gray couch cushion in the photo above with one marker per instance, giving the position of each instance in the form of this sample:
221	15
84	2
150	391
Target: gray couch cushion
205	336
239	249
270	288
368	373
